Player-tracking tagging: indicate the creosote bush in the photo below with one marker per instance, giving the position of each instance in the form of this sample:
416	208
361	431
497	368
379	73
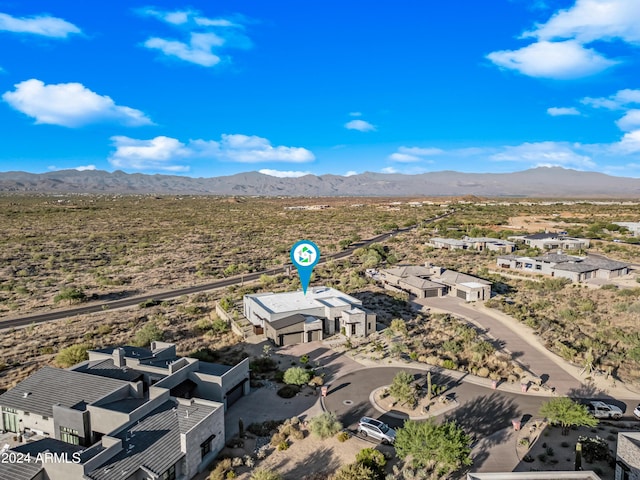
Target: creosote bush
325	425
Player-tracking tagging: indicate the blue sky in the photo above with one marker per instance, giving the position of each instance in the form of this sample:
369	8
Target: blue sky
289	87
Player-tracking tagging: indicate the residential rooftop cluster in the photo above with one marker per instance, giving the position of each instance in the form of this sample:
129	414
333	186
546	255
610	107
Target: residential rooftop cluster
126	413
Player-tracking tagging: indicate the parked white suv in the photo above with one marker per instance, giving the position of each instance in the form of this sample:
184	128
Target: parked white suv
370	427
604	410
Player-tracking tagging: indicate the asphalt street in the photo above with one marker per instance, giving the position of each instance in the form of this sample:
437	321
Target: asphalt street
481	411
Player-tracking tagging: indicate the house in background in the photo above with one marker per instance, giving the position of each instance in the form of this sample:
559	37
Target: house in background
473	243
628	456
576	269
292	317
551	241
431	281
127	413
633	227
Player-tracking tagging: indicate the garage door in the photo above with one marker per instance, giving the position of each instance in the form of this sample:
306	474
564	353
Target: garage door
235	394
431	293
290	338
461	294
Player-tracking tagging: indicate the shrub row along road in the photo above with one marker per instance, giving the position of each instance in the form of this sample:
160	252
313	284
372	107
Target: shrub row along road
168	294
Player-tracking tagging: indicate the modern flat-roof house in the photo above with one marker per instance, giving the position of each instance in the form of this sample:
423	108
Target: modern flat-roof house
586	475
431	281
473	243
551	241
576	269
633	227
293	317
628	456
126	413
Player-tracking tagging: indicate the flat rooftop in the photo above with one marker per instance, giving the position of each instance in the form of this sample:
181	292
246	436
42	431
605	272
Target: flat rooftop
297	301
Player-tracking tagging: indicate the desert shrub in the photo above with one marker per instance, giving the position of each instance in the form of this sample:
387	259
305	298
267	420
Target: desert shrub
278	438
325	425
205	355
71	295
343	437
147	334
264	474
449	364
354	471
372	458
265	428
71	355
483	372
403	389
316	381
263	365
296	376
288	391
304	359
222	468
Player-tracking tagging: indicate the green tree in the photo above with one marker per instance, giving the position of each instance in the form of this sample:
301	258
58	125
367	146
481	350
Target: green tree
296	376
441	449
374	460
147	334
71	355
403	389
567	413
325	425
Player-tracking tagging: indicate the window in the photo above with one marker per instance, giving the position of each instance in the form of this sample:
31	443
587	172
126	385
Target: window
69	435
10	421
170	474
353	329
538	267
205	447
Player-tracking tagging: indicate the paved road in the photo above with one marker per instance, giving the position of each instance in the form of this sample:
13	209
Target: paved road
165	295
348	396
527	354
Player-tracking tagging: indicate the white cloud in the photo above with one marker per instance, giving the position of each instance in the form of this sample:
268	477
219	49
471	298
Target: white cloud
555	60
350	173
389	170
283	174
205	37
69	105
359	125
414	154
197	51
591	20
84	168
616	101
159	153
630	143
404	157
166	153
565	36
630	120
44	25
560	111
545	154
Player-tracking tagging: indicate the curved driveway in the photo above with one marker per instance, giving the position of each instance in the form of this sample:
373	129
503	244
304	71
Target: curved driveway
481	411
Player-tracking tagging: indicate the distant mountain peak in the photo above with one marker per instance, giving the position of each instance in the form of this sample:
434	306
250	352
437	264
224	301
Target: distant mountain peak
535	182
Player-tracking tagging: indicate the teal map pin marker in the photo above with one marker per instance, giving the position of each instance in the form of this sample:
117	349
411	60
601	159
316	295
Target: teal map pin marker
305	255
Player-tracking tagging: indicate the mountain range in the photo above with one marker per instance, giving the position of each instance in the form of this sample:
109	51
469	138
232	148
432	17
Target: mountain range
536	182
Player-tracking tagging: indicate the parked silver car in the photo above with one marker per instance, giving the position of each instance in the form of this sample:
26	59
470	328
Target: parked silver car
370	427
